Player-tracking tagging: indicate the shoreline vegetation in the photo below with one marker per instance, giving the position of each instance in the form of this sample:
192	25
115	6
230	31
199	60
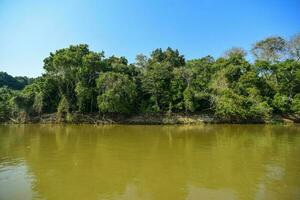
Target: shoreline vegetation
147	119
84	86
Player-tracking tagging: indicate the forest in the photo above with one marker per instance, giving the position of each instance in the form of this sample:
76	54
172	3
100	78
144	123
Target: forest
78	80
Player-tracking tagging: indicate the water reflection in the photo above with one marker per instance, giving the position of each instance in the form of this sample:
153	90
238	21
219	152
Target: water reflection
15	183
150	162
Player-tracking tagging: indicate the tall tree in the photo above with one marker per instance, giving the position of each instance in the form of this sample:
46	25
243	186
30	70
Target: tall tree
69	66
294	47
169	56
271	49
156	79
235	51
86	92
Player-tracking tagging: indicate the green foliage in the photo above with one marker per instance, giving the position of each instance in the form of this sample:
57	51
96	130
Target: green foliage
85	97
281	103
294	47
237	89
5	107
15	83
162	81
229	105
22	104
270	49
116	93
180	81
77	79
287	77
235	52
296	104
63	106
156	82
169	56
255	106
67	66
189	99
38	104
39	97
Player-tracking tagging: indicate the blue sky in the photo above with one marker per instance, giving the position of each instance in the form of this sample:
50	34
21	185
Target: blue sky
30	30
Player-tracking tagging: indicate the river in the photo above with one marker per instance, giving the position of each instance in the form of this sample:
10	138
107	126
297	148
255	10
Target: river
136	162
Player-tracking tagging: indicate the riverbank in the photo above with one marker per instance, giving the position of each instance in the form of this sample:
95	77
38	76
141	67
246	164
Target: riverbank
174	118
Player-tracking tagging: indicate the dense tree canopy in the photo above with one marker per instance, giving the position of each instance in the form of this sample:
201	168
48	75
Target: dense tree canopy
77	79
15	83
117	93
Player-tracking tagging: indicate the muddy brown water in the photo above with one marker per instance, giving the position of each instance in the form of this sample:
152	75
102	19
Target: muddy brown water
136	162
